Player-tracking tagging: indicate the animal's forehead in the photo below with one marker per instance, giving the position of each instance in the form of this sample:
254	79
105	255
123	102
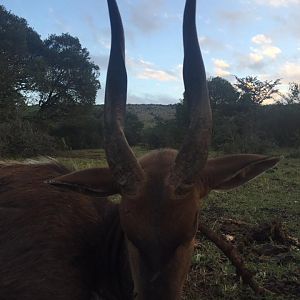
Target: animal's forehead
158	162
156	203
156	194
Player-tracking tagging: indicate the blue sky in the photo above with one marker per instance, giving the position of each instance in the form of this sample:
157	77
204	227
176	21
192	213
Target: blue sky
238	37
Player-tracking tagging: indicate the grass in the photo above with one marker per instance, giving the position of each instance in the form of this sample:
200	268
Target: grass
237	214
272	196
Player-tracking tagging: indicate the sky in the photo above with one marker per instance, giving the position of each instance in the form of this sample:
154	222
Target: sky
237	37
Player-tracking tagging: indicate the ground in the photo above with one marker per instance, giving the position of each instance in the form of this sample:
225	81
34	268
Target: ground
262	219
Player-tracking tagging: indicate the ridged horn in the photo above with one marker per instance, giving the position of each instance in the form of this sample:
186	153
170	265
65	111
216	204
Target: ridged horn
193	153
121	160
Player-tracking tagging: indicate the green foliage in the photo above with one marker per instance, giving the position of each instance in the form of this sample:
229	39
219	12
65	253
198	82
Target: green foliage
239	125
281	123
68	77
133	129
221	92
163	134
149	113
295	153
79	131
255	91
20	48
293	96
60	73
20	138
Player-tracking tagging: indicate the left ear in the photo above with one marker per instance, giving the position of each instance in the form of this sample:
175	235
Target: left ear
234	170
95	180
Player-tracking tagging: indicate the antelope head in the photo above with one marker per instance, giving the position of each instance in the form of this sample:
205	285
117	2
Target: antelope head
161	191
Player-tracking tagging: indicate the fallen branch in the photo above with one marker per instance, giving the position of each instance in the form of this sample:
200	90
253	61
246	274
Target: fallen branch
236	222
233	255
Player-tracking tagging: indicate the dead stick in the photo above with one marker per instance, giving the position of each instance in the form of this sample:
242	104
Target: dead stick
236	222
234	257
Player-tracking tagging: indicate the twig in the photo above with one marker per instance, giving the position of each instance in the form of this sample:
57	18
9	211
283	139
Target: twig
234	257
236	222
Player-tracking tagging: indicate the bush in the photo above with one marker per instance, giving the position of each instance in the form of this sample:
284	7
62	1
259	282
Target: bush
294	154
20	139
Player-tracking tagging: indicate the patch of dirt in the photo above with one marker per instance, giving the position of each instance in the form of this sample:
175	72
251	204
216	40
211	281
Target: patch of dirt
269	231
287	287
263	243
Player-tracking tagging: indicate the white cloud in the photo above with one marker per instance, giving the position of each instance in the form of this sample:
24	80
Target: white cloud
221	68
278	3
143	69
158	75
222	72
261	39
265	49
263	52
255	57
220	63
137	63
290	71
271	51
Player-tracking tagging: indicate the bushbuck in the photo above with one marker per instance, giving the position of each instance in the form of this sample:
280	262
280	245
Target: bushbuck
61	239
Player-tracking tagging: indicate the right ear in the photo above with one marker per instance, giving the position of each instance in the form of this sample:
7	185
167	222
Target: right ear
96	180
234	170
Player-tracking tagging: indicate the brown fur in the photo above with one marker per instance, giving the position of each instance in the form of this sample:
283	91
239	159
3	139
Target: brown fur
58	241
160	235
160	223
52	239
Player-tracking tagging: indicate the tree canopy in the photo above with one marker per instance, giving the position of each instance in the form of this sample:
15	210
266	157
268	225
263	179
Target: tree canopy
59	77
221	91
255	91
293	95
69	77
20	52
58	70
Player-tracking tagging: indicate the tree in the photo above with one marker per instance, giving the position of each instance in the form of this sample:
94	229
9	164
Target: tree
133	128
80	129
221	91
20	53
293	95
69	78
255	91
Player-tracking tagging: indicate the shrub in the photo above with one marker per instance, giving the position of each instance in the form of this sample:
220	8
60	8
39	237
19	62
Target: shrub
21	139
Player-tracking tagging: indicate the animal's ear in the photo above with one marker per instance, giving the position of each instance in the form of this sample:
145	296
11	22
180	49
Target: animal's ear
231	171
95	180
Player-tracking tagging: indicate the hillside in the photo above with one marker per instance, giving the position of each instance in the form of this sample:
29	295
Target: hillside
148	113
